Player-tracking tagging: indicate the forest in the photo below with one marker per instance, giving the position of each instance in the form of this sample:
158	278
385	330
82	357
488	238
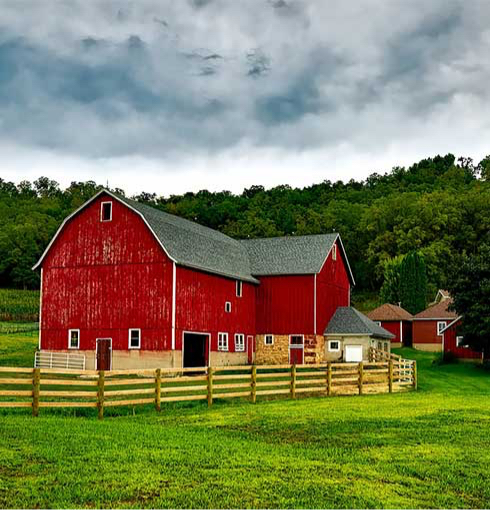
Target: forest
438	207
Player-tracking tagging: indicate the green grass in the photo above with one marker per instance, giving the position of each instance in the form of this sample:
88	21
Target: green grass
17	349
423	449
19	305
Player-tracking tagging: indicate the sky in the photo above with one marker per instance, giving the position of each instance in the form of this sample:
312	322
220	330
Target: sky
173	96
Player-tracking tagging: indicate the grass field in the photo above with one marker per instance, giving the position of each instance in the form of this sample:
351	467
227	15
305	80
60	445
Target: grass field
425	449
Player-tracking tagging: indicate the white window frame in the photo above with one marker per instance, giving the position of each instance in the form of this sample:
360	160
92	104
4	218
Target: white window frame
334	252
223	342
439	328
228	306
378	323
70	331
330	348
102	211
272	340
239	288
129	338
459	339
238	347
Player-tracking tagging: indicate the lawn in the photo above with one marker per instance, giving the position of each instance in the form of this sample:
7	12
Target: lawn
429	448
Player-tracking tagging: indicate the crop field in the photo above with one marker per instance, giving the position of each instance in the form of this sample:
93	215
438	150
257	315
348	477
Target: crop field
422	449
19	305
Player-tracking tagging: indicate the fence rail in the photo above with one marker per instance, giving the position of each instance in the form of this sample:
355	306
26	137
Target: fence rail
50	387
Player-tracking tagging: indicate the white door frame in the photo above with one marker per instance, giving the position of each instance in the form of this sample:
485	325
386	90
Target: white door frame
197	333
297	346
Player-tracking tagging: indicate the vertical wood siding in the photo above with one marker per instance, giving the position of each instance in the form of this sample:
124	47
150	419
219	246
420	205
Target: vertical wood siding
425	331
332	289
104	278
450	345
200	300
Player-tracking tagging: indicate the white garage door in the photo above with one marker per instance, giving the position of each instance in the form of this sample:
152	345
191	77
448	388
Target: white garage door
353	353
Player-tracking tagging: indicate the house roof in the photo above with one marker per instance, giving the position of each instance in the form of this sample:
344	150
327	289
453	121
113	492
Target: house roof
291	254
441	294
349	321
193	245
438	311
389	312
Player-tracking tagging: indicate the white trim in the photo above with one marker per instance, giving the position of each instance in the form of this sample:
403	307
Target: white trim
130	347
225	335
378	323
228	305
40	310
97	351
401	332
174	298
451	323
265	339
314	305
89	201
297	347
441	330
239	288
196	333
102	211
69	339
345	257
242	335
330	346
433	319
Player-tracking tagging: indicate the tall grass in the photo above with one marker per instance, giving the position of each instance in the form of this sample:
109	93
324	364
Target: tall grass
19	305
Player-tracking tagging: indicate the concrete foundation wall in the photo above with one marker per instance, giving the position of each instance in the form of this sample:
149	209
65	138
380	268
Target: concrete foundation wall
428	347
344	340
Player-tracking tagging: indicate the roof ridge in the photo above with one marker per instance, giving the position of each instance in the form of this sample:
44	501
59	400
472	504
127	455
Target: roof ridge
293	236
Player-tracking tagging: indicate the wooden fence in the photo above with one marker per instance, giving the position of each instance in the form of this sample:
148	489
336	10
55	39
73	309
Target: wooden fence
48	387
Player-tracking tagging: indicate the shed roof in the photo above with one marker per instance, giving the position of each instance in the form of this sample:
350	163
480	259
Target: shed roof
349	321
438	311
389	312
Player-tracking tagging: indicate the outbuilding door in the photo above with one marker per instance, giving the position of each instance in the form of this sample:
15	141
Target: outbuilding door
196	349
104	353
296	349
353	353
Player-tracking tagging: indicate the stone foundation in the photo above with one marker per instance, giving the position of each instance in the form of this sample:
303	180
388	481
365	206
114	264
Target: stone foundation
435	347
278	353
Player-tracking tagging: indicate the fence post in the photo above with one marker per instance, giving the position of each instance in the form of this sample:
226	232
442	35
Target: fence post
293	381
361	377
254	383
158	389
36	383
414	375
210	386
390	376
100	394
329	378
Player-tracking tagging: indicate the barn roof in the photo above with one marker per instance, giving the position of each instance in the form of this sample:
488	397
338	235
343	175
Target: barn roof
291	254
438	311
349	321
389	312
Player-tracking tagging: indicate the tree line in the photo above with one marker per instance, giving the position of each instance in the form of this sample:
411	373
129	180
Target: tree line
438	208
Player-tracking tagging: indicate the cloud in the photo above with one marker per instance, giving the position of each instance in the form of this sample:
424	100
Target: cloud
190	83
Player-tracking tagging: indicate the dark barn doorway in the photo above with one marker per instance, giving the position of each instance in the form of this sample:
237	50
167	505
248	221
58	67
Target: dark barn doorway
195	350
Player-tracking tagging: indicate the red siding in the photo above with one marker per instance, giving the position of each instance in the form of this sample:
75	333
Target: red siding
285	304
425	332
332	289
450	345
104	278
200	307
394	328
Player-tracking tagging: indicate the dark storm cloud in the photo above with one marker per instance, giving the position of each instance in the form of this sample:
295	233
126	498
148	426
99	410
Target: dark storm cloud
152	78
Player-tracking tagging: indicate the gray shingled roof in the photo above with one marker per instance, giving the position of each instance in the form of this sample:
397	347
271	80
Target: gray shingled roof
194	245
288	255
347	320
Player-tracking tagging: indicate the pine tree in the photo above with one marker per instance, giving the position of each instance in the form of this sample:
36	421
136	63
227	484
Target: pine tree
413	283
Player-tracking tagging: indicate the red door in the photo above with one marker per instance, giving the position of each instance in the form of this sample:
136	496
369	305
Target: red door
104	352
296	349
250	349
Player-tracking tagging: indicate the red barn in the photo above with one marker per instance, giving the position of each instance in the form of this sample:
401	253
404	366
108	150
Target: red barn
396	320
453	342
429	324
127	285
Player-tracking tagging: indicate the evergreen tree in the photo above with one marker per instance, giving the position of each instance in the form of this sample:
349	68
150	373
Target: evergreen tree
413	283
390	290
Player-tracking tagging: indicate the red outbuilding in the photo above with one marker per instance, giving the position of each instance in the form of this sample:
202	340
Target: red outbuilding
127	285
429	324
396	320
453	341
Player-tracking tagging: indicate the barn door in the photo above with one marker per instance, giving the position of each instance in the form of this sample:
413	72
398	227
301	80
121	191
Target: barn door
104	353
250	349
296	350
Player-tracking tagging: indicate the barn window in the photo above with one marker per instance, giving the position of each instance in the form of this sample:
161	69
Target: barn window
378	323
74	339
239	288
269	340
222	341
239	342
333	345
460	342
440	326
106	211
135	338
334	252
227	307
